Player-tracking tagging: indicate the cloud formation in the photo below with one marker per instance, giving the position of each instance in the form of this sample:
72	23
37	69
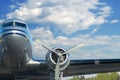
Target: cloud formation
101	46
68	16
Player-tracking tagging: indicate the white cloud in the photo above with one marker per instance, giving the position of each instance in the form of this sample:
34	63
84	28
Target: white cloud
114	21
41	33
69	16
1	20
105	11
27	11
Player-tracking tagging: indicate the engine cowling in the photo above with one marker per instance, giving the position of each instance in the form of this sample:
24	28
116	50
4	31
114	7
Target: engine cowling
51	59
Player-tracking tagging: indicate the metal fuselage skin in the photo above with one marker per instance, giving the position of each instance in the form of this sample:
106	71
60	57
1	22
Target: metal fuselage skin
15	44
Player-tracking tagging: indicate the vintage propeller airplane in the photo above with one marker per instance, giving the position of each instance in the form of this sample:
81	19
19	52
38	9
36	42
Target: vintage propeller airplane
17	63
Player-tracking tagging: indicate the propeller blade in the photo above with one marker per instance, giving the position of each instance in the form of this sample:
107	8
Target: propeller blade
49	49
46	47
73	48
57	69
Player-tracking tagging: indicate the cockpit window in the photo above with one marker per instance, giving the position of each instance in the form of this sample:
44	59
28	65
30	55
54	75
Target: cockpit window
20	24
7	24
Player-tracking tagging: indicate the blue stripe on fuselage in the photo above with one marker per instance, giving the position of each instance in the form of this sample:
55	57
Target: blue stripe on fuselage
17	30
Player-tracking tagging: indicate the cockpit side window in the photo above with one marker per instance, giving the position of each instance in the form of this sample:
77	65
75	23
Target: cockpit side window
20	24
7	24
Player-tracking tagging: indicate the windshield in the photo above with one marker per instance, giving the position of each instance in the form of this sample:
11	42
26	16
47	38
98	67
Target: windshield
20	24
7	24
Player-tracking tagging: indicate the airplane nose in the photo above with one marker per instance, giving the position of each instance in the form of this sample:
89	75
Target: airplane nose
16	50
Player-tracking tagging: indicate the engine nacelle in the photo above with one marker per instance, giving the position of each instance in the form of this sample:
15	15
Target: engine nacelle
51	59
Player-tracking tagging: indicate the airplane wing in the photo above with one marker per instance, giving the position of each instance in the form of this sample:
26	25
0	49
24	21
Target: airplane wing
76	67
80	67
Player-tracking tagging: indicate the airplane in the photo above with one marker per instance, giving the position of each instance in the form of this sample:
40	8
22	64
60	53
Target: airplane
17	62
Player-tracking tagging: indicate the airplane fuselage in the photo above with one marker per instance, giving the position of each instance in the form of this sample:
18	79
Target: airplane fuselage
15	44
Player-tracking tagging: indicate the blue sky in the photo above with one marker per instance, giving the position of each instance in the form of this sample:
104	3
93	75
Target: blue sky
94	23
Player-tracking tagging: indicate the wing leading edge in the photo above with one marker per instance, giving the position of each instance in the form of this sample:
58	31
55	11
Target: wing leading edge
80	67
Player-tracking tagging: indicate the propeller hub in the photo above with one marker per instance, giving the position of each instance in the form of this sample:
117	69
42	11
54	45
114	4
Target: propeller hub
56	60
58	55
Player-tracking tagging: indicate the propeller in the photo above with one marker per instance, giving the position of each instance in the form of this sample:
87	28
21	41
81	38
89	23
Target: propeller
66	52
57	68
59	56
